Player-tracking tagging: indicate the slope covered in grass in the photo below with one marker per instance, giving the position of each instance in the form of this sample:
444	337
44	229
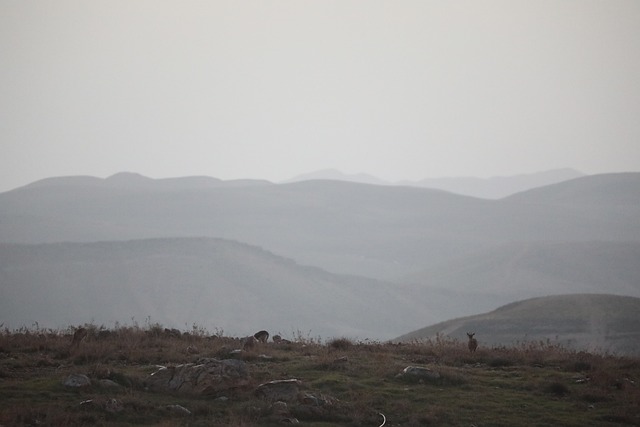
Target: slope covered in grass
606	323
339	382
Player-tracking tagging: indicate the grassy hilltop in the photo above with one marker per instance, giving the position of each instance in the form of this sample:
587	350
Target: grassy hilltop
604	323
341	382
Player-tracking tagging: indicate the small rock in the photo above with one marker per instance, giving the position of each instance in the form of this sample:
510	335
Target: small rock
283	390
279	340
77	380
419	373
312	400
178	409
113	406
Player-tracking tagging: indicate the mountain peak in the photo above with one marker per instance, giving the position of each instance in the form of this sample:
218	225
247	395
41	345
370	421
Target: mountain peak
128	178
336	175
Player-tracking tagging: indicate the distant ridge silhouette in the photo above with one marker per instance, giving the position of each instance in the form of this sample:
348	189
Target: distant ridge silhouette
485	188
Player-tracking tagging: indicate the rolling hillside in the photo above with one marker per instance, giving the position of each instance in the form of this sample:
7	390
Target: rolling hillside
236	287
515	271
499	186
619	189
485	188
585	321
214	283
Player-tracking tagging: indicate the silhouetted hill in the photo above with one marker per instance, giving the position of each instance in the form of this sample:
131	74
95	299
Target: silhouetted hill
499	186
620	189
134	181
213	283
485	188
336	175
376	231
595	322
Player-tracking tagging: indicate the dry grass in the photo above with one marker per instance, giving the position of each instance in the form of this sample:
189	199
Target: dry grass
493	386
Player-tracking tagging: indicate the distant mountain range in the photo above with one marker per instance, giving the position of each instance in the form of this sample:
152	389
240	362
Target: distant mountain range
383	259
487	188
381	232
134	181
604	323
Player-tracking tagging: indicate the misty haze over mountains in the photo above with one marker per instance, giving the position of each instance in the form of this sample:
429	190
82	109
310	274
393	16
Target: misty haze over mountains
184	281
328	257
486	188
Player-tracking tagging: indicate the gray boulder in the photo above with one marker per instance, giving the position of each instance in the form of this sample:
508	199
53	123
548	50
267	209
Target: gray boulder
419	373
208	377
77	380
279	390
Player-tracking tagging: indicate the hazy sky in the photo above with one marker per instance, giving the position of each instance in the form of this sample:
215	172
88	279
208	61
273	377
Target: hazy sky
271	89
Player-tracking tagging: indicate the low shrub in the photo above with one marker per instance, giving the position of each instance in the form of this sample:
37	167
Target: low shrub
557	388
343	344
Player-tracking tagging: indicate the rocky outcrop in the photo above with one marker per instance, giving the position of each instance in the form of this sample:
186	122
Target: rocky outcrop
289	398
419	373
107	404
208	376
280	390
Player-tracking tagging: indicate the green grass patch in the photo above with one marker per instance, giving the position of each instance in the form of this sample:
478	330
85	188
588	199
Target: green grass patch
350	383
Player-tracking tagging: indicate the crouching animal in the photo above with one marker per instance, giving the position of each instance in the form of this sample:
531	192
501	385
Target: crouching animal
261	336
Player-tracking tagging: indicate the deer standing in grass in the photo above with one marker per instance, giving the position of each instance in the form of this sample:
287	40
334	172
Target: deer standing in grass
79	335
473	343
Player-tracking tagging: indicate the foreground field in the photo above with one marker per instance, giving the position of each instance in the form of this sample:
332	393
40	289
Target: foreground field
107	380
